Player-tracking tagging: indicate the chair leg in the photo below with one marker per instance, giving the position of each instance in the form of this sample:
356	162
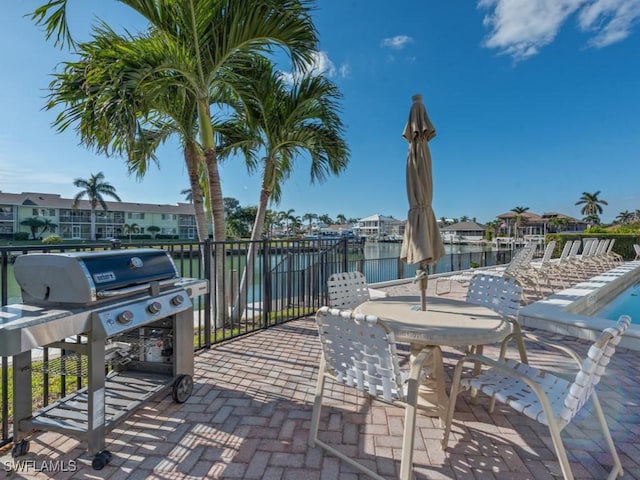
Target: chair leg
408	437
317	405
617	465
453	395
315	421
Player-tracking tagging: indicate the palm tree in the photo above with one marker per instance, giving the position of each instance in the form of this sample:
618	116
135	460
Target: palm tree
95	189
34	225
281	123
197	49
625	217
188	196
310	217
518	219
341	219
130	228
592	208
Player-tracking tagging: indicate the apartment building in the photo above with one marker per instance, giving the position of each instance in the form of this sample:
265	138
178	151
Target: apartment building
75	223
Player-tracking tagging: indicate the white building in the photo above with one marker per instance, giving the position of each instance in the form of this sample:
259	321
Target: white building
377	226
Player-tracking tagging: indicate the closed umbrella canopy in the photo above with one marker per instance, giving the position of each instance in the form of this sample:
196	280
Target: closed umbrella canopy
422	243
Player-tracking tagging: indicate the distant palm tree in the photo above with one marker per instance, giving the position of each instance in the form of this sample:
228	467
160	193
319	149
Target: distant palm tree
592	206
310	217
188	196
94	189
625	217
518	219
34	225
130	228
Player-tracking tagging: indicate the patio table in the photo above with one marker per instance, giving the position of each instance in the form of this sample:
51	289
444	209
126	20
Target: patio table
446	322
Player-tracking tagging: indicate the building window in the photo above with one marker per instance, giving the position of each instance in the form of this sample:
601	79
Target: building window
135	216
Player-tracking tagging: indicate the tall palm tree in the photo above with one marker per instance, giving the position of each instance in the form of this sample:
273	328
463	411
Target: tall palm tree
200	43
94	189
309	217
279	123
592	206
518	219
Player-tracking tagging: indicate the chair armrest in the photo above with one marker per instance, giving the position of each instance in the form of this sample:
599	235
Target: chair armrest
532	338
374	293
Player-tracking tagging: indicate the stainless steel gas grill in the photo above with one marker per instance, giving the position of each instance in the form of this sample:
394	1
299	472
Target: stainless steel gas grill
133	316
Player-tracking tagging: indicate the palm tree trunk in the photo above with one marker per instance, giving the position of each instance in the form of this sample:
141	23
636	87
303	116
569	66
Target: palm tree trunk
216	206
240	303
193	162
92	233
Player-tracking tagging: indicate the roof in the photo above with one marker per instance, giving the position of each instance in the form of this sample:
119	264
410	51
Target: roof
50	200
529	216
376	217
466	226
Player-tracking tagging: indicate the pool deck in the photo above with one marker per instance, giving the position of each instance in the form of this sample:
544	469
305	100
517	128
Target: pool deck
573	311
249	415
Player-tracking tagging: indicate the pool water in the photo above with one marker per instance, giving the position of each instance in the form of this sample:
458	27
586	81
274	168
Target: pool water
627	303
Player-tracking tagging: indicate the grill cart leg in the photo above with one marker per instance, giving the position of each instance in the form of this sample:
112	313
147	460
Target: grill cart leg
22	401
183	343
96	393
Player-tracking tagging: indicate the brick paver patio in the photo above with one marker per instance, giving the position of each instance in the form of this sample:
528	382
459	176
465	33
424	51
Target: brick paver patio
250	410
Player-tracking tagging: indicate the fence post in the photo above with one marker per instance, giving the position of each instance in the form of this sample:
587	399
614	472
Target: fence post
266	294
206	256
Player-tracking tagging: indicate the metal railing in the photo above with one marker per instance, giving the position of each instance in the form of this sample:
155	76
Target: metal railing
288	281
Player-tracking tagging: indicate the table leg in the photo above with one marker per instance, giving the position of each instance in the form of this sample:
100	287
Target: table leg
432	394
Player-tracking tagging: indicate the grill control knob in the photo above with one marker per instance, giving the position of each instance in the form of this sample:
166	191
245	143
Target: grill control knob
125	317
154	307
177	300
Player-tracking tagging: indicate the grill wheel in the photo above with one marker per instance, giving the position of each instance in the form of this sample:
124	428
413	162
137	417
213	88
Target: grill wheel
182	388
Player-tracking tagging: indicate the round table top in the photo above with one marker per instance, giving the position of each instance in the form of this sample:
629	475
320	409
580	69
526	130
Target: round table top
445	322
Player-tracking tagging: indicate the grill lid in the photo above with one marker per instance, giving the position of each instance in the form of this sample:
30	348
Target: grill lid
85	277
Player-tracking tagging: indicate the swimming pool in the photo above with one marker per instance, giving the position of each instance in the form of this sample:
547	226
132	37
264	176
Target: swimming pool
627	303
587	308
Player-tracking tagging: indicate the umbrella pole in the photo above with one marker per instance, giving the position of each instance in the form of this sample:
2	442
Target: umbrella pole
423	278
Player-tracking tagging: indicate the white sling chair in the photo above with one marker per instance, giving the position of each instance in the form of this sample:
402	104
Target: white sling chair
359	351
543	396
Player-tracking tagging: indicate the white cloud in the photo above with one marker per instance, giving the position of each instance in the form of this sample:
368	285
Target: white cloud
520	28
320	64
398	42
611	19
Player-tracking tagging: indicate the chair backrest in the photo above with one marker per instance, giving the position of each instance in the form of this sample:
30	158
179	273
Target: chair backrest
593	367
522	258
636	248
574	248
602	247
360	351
499	293
347	289
565	250
589	247
548	252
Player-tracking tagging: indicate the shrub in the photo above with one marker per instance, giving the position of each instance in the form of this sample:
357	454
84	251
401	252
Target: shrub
51	239
21	236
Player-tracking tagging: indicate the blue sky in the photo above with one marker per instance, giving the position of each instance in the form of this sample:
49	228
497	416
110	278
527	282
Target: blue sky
533	101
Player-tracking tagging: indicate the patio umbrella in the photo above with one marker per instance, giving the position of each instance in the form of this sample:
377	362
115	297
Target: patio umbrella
422	243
